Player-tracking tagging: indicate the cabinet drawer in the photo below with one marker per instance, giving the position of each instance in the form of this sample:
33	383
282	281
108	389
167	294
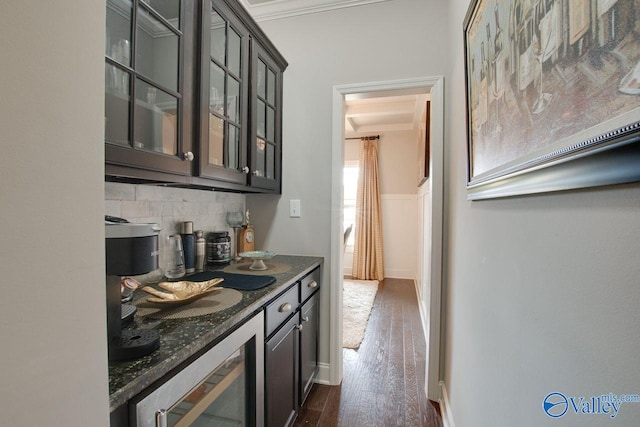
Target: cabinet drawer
309	284
280	309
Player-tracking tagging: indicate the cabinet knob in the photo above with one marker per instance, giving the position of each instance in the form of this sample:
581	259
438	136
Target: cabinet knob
256	173
313	284
284	307
187	156
305	318
245	170
299	327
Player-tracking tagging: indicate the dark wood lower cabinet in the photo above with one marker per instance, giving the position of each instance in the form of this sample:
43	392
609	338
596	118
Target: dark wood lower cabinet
291	350
310	316
281	365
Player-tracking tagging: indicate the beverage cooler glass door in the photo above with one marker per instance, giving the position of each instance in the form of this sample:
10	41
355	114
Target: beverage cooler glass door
224	387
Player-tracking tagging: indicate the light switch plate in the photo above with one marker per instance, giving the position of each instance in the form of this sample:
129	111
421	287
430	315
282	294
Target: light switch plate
294	208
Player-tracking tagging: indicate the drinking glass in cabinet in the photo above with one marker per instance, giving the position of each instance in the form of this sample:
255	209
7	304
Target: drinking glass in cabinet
118	33
116	103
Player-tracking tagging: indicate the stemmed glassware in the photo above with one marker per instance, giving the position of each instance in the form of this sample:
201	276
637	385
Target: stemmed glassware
235	220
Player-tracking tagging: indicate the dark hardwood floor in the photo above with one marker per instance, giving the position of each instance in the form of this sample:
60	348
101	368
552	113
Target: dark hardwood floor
383	381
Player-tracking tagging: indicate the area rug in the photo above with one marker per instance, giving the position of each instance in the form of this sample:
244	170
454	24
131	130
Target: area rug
357	300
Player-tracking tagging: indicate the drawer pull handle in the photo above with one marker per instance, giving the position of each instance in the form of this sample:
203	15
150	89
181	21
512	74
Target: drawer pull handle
313	284
305	318
284	307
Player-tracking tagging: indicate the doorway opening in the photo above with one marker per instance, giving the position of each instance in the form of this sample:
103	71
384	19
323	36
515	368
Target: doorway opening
396	120
429	280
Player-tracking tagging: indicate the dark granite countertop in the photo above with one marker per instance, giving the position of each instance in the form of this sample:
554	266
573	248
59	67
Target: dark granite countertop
182	338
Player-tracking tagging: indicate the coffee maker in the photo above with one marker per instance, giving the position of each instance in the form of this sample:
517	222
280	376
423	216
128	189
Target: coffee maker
131	249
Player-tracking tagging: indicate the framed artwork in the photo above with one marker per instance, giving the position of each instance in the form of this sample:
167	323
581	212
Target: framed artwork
424	145
553	95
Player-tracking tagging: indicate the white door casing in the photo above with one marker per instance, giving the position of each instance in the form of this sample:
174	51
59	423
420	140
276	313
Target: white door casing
430	283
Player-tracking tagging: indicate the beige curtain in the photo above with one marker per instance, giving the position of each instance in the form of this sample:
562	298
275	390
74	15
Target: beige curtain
367	252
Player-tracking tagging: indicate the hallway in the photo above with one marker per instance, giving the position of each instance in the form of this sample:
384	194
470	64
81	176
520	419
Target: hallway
383	383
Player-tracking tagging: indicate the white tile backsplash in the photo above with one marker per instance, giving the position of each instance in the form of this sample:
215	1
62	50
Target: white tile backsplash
135	208
114	191
168	207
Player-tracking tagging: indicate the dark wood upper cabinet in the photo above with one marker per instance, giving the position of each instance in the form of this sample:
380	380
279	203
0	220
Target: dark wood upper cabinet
193	96
148	85
265	142
224	94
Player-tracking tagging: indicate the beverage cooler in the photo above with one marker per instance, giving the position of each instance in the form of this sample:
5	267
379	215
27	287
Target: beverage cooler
223	387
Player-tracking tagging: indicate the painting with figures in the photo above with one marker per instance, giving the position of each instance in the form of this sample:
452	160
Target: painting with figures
546	75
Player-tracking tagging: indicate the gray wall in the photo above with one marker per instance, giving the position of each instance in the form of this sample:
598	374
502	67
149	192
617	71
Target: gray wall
52	308
376	42
543	291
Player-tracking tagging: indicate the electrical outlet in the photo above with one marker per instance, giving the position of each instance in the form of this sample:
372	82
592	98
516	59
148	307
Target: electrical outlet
294	208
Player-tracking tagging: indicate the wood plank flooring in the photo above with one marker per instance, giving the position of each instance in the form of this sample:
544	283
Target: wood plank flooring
383	381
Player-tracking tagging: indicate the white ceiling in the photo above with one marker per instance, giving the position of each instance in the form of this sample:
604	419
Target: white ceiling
376	112
262	10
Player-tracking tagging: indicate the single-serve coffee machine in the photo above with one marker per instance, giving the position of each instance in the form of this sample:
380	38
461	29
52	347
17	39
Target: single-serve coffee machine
131	250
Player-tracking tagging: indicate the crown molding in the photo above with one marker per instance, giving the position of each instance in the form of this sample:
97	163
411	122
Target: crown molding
279	9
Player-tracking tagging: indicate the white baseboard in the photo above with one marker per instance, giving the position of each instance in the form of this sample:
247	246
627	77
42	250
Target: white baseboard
323	374
445	407
396	273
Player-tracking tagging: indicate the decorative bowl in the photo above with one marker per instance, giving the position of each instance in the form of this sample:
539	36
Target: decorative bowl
182	292
258	258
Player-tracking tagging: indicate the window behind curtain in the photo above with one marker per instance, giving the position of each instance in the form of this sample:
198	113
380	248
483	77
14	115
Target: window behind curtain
350	183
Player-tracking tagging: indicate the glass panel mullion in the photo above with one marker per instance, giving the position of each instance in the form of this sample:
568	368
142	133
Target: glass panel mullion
270	161
233	99
118	31
234	147
261	118
117	104
216	89
261	146
271	87
157	50
271	124
155	119
167	11
216	140
234	51
262	80
218	37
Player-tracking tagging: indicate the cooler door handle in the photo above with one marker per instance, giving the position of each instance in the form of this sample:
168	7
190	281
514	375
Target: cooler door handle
161	418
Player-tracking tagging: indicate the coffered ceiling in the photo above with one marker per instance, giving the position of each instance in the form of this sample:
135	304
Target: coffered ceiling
263	10
378	112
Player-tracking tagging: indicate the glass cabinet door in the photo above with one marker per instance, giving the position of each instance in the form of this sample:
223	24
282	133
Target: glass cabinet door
224	74
144	83
220	400
222	387
265	143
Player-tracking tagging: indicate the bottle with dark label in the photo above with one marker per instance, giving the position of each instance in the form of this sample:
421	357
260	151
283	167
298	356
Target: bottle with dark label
188	246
